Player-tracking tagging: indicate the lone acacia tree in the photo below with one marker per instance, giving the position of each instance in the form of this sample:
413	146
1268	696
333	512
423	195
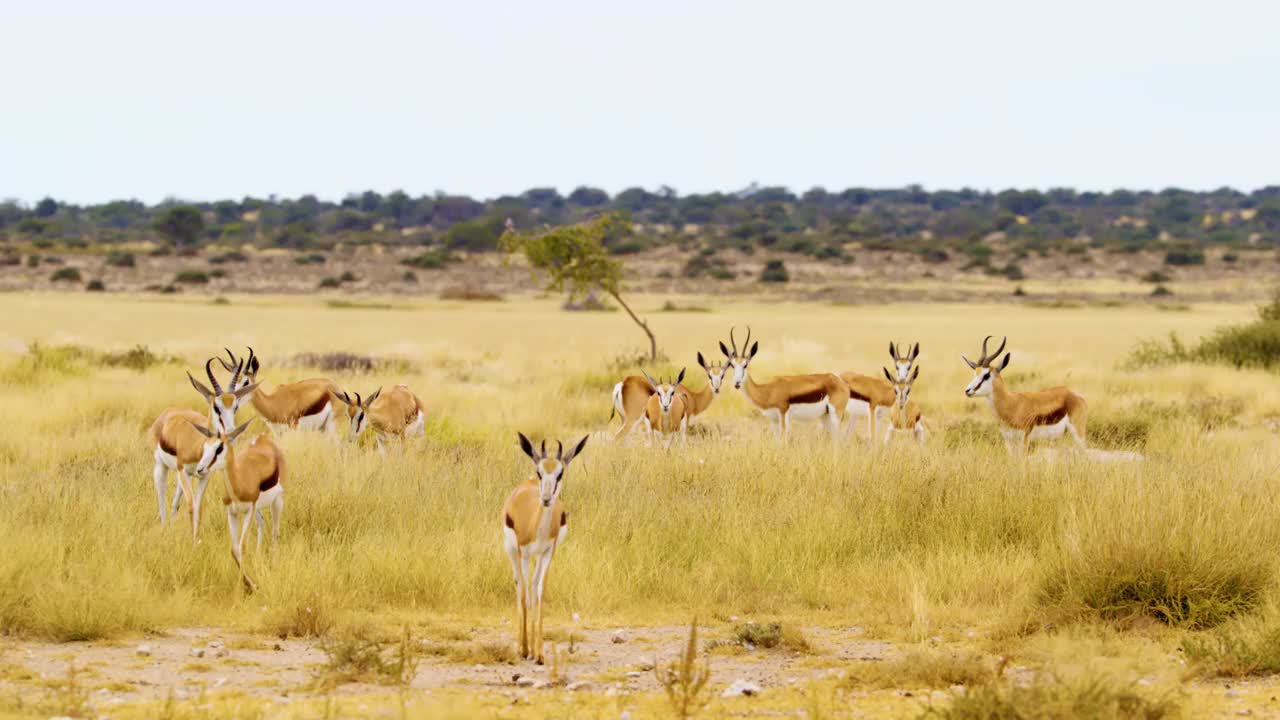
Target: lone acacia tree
575	260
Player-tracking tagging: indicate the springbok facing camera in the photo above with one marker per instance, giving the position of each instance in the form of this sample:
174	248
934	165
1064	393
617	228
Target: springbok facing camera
305	405
1033	415
873	397
667	410
821	396
906	415
534	524
254	480
631	396
399	413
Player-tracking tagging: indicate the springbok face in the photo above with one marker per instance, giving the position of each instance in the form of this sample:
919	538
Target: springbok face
222	404
902	388
550	469
984	371
902	363
715	373
739	360
358	411
665	391
215	447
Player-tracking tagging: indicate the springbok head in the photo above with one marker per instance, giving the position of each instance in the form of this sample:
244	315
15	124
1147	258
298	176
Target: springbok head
715	373
985	370
249	367
902	388
902	363
666	391
358	411
739	359
550	468
214	455
222	404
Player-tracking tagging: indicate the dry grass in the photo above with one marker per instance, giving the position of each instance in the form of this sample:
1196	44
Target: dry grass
736	524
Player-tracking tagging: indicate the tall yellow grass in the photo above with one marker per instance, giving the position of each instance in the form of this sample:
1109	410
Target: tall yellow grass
736	524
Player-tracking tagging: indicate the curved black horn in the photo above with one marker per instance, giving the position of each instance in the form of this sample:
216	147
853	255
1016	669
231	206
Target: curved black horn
982	359
559	450
208	370
746	346
249	363
228	366
1000	349
733	344
544	447
235	377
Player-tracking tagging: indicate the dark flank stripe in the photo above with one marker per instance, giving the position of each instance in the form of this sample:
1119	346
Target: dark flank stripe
270	482
855	395
166	448
316	406
564	519
808	398
510	523
1052	418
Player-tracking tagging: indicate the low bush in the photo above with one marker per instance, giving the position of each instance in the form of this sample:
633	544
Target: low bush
121	259
66	274
192	277
1048	697
430	260
1250	648
1186	256
96	286
775	271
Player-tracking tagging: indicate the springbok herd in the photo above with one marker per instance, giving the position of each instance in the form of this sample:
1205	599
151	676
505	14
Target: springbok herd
534	520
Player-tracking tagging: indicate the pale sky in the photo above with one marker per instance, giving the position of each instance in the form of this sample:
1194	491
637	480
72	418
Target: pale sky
132	99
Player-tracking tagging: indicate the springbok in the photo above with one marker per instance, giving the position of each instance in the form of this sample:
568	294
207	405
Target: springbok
534	524
906	415
873	397
254	480
1033	415
223	405
667	410
399	413
178	449
305	405
822	396
632	393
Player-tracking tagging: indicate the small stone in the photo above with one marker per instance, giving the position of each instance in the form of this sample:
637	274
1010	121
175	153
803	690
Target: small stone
143	650
741	688
618	637
1231	694
936	640
635	674
1244	712
576	617
215	644
478	668
197	652
221	652
645	664
526	682
219	682
579	685
541	685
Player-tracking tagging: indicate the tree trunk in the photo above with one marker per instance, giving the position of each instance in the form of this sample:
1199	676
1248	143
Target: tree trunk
653	342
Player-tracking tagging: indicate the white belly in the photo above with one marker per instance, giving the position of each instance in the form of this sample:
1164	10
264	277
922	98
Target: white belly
858	408
317	421
164	458
417	426
808	411
1041	432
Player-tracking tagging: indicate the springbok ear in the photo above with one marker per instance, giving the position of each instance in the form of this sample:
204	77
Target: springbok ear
1005	363
702	361
893	351
373	397
888	375
915	352
201	429
725	350
914	374
573	453
972	365
755	346
246	390
680	377
653	384
236	433
527	447
203	390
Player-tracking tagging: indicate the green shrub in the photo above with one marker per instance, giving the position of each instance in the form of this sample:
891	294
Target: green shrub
347	277
1185	256
1250	648
192	277
1230	257
775	271
430	260
1161	291
330	282
1048	697
409	276
310	259
66	274
1013	271
121	259
33	261
95	286
217	273
227	257
1155	276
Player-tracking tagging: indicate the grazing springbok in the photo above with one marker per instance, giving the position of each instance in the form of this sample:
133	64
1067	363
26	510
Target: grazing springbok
873	397
254	480
631	395
305	405
399	413
822	396
667	410
906	415
178	449
1032	415
534	524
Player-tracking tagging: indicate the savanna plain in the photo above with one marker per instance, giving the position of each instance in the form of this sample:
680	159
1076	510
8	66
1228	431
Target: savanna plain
834	578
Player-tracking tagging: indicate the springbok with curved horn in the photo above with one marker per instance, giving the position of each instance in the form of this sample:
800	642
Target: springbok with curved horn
906	415
177	448
1032	415
305	405
254	480
399	413
667	410
631	396
534	523
873	397
822	396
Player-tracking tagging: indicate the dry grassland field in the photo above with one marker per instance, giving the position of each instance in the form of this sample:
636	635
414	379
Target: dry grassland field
840	578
